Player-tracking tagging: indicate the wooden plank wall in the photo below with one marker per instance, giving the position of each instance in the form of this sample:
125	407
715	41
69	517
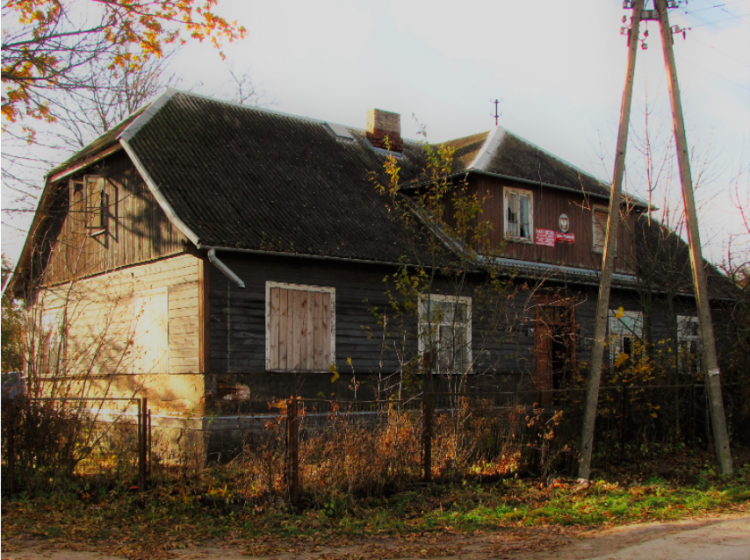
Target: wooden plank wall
238	322
138	230
100	327
548	205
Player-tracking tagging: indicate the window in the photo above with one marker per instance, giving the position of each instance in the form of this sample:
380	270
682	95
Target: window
689	344
300	327
151	331
600	218
519	221
625	330
97	205
445	332
77	207
52	342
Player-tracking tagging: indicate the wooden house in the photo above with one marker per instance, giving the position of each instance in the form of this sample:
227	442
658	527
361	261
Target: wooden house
207	254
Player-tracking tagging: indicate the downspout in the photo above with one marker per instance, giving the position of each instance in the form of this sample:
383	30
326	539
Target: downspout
224	268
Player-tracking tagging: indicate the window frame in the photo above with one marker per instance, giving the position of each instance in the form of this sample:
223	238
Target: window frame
54	341
332	323
620	332
594	209
507	191
682	322
96	215
467	326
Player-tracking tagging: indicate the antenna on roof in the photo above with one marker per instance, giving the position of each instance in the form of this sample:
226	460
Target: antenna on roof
496	115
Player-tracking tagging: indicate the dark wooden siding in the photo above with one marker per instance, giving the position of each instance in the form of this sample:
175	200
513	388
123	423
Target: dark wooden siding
137	229
548	205
238	327
504	353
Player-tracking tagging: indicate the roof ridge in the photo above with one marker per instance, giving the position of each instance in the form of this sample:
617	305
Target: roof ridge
485	153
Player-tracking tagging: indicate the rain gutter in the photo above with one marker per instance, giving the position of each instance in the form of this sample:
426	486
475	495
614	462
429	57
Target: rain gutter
299	255
218	263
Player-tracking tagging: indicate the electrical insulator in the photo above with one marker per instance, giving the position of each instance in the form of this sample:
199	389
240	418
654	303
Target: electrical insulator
627	4
644	46
624	30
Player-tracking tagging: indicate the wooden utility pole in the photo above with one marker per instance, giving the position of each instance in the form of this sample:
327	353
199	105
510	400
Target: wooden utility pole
708	346
608	258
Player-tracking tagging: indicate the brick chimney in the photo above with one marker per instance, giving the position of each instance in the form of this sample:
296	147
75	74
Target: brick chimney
381	124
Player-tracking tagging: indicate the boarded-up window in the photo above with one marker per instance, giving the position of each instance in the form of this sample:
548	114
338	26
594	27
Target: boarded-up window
601	216
300	327
519	220
151	331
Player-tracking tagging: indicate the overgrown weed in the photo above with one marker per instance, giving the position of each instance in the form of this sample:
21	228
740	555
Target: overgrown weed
618	495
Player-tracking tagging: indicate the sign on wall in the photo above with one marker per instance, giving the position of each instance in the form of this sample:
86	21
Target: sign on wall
565	237
545	237
564	223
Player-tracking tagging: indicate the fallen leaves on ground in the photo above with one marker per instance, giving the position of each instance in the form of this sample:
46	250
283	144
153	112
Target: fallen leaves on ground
497	518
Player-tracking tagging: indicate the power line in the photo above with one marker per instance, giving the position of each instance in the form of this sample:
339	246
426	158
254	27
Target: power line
691	12
721	20
721	52
685	59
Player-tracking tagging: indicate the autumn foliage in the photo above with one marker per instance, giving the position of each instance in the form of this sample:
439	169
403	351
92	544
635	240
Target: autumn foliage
47	44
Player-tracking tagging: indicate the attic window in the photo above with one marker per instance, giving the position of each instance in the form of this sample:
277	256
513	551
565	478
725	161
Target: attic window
340	132
97	205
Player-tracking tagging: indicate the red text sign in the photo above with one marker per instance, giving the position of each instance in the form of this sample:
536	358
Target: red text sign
545	237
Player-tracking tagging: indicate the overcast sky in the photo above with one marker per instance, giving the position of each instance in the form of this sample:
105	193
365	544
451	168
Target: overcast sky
558	67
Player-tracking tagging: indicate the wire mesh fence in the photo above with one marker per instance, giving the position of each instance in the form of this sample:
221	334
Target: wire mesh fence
312	449
48	442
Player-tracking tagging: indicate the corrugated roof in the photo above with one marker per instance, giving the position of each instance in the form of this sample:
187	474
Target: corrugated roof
246	178
506	154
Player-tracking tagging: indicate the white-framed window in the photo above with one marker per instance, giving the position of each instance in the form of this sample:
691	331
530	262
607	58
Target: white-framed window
625	333
300	327
445	332
518	212
689	344
150	351
599	219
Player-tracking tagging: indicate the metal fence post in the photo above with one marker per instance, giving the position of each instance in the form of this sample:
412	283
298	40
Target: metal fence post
12	446
623	421
292	424
427	436
150	459
693	413
142	410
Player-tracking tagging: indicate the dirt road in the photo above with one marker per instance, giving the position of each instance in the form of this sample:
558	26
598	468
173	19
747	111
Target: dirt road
705	539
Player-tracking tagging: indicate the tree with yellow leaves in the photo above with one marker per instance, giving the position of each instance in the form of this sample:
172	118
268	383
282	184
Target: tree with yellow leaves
48	45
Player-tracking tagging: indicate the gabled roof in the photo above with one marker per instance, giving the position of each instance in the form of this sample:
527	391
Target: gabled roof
502	154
